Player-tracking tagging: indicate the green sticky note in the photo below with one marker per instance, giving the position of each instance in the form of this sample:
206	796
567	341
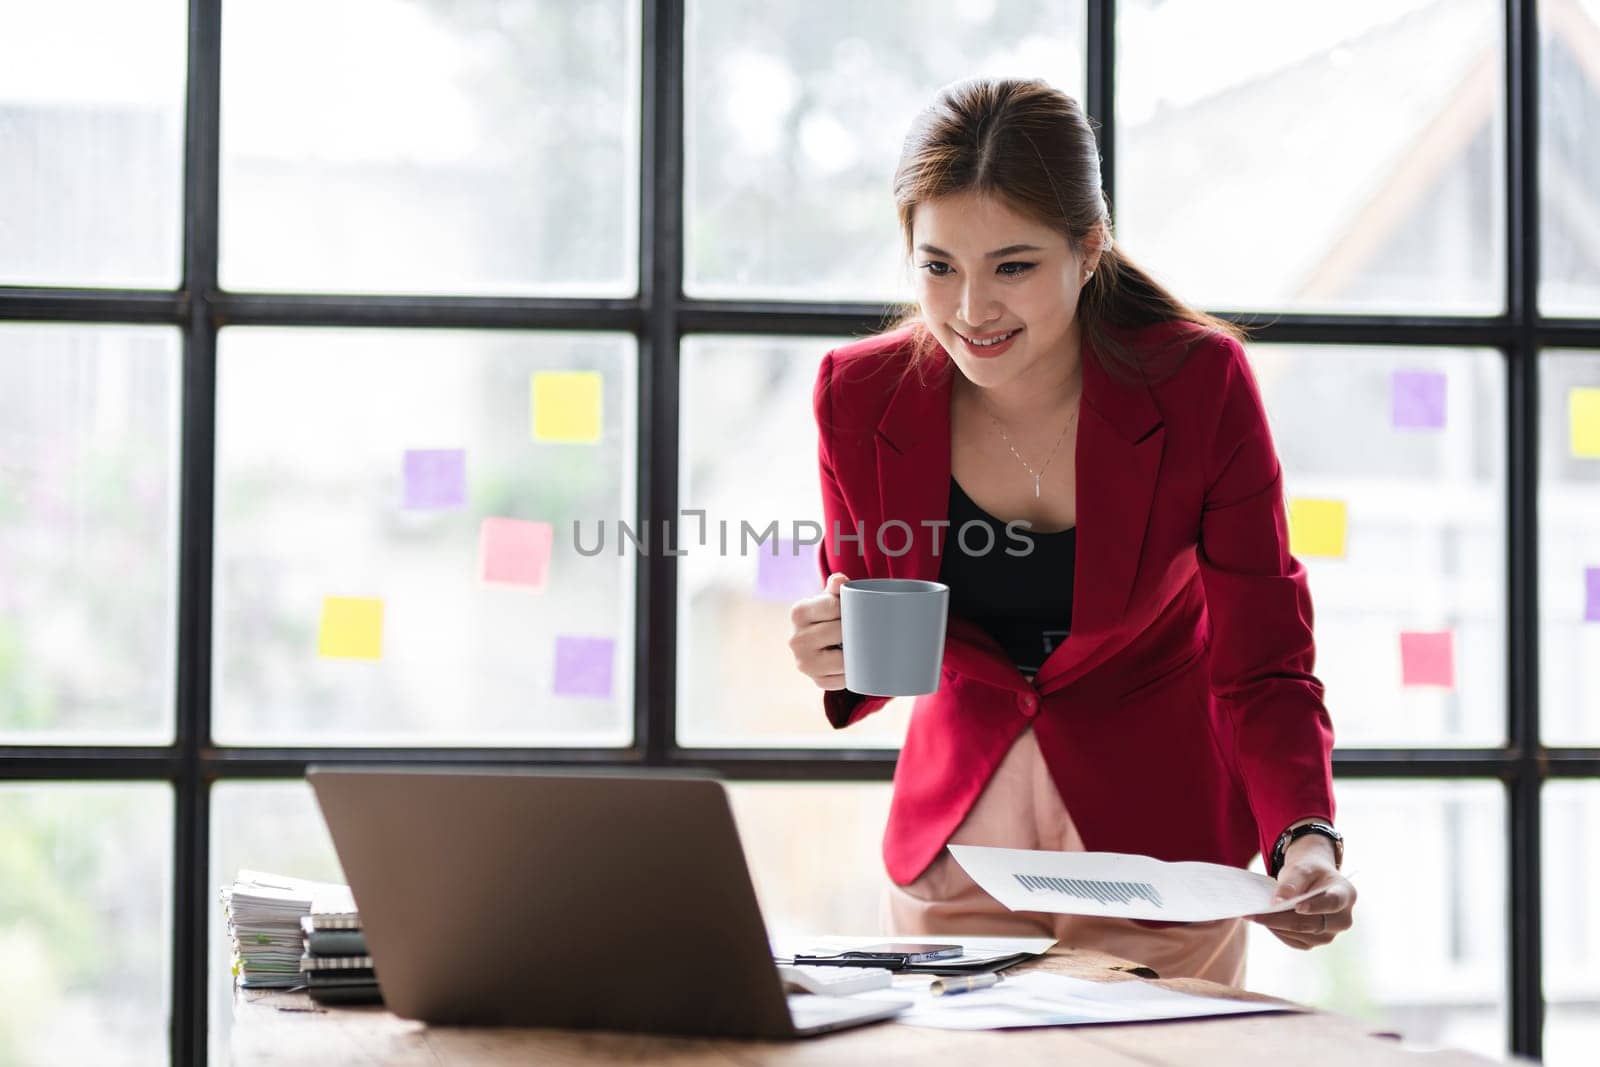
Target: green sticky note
352	628
566	406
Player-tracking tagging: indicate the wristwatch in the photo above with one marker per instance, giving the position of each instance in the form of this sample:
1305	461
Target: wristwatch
1294	833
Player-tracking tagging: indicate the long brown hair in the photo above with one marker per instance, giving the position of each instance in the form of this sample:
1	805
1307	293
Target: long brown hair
1031	145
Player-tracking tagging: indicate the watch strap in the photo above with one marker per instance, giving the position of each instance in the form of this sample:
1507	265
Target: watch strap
1294	833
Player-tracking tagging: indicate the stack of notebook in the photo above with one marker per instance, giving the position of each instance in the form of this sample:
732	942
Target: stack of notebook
334	963
263	912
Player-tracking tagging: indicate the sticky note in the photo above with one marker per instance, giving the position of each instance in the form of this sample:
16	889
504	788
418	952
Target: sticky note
1417	400
1583	407
1317	527
1428	659
583	666
1591	607
515	551
788	575
352	628
566	406
435	479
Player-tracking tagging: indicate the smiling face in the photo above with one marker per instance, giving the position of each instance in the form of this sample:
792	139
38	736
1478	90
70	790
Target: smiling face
982	270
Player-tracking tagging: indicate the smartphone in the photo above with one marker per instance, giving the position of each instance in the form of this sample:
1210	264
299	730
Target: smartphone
913	951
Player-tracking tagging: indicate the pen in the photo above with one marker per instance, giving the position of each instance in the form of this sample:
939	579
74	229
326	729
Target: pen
967	983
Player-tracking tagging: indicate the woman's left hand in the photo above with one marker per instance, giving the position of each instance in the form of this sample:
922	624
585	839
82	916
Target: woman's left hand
1307	865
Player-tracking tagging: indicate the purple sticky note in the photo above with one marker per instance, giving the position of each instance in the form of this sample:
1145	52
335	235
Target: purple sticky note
1591	609
789	575
436	478
583	666
1418	399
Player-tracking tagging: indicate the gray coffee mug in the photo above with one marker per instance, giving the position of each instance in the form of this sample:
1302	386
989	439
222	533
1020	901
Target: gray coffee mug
893	635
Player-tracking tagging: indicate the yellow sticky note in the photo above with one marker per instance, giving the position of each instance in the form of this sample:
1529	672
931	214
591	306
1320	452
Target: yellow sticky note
352	628
1317	527
566	406
1584	410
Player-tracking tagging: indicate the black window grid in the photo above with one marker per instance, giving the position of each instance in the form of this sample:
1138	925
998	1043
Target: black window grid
659	318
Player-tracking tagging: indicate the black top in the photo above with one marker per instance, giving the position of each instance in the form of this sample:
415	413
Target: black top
1022	598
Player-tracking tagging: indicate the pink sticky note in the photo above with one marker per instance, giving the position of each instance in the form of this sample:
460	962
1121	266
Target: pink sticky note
789	575
583	666
1591	609
515	551
1418	400
436	478
1428	659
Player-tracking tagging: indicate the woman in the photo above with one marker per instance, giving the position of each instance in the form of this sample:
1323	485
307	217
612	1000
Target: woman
1139	679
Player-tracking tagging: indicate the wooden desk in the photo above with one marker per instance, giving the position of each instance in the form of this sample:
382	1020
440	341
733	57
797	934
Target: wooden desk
287	1028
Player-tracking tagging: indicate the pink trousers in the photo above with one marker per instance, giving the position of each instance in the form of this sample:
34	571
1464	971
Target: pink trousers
1021	808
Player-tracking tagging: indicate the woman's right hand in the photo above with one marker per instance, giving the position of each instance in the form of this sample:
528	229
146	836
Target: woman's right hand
818	639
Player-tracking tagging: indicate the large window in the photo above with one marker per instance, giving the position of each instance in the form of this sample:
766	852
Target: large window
333	343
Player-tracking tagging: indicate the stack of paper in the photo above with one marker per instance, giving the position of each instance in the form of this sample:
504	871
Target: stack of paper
263	912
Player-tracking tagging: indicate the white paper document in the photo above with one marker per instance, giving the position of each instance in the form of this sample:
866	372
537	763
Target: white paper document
1118	885
294	895
1038	999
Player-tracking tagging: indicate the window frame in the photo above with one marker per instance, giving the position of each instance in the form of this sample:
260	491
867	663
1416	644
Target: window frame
659	317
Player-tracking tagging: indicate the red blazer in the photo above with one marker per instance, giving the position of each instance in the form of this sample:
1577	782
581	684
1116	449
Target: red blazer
1180	718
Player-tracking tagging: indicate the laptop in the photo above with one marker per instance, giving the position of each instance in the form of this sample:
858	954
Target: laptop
593	900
